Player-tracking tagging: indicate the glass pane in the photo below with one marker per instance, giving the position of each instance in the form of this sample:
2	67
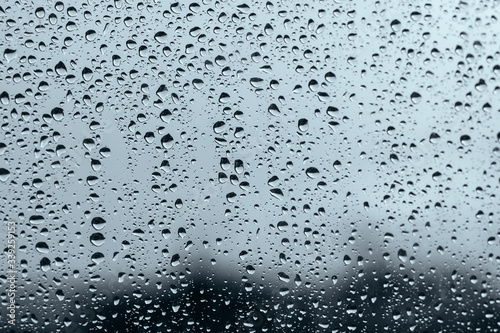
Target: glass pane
221	166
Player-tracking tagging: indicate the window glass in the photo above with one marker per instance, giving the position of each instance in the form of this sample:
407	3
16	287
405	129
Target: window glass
222	166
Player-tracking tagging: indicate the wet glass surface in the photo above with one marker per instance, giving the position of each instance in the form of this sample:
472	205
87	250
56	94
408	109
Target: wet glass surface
220	166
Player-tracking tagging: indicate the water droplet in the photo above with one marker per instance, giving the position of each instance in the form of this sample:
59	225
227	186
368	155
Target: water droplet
313	85
481	85
45	264
162	92
166	116
434	138
97	239
231	197
161	37
4	174
175	260
105	152
37	219
303	125
9	54
415	97
4	98
59	6
323	96
60	68
268	29
178	203
402	255
165	233
219	127
87	74
167	141
415	16
89	143
239	166
40	12
198	84
42	247
277	193
283	277
312	172
92	180
224	98
330	77
250	269
273	110
90	35
436	176
57	114
97	257
224	163
465	140
98	223
256	82
96	164
395	25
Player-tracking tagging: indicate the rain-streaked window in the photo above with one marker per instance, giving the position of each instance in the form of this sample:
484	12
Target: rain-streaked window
266	166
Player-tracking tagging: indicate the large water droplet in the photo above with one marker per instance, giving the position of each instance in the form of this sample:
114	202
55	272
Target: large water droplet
303	125
87	74
9	54
89	143
415	97
97	239
402	255
395	25
97	257
42	247
45	264
60	68
176	260
273	109
312	172
465	139
4	174
198	83
224	98
167	141
57	114
98	223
